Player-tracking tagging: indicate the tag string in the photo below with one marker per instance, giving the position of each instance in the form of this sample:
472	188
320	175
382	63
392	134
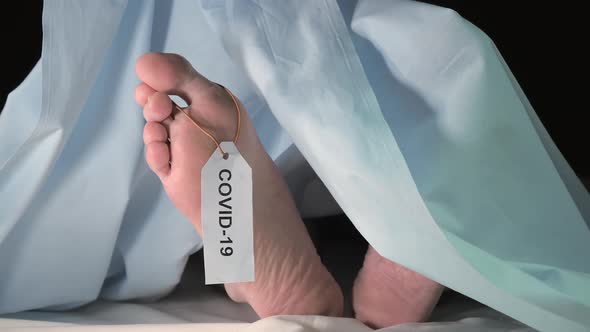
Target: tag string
208	134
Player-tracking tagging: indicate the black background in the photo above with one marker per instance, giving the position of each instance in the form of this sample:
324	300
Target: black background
542	43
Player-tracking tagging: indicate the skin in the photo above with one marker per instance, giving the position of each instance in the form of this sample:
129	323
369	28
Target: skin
290	277
386	293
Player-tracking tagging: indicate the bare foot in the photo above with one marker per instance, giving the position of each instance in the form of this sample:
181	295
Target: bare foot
386	293
290	278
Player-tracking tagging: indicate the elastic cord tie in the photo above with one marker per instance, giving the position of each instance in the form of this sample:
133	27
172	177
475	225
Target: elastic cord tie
236	137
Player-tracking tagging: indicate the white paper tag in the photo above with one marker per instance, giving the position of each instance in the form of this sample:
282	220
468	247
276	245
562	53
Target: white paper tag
227	217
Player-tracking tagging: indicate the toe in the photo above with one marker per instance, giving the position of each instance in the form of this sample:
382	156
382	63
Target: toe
172	74
157	155
142	93
158	107
154	132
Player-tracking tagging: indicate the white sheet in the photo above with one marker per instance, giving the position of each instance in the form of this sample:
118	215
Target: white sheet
195	307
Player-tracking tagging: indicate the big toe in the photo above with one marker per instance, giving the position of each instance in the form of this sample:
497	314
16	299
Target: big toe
170	73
